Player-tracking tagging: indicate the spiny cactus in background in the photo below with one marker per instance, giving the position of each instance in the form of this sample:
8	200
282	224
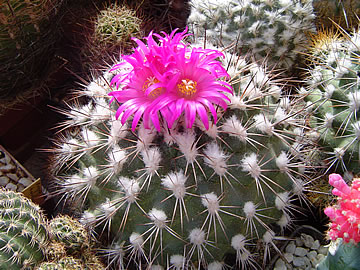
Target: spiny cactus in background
23	234
343	12
117	24
333	96
26	47
111	34
274	31
177	189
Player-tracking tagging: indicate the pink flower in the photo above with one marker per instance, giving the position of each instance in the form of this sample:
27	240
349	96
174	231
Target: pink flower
345	215
195	88
169	79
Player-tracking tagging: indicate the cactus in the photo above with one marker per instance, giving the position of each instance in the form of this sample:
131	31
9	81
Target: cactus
65	263
71	246
333	98
274	31
345	13
69	232
23	234
175	189
113	27
26	48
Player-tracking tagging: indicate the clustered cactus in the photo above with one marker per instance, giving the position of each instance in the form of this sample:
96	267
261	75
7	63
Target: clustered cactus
29	241
333	96
186	194
274	31
23	234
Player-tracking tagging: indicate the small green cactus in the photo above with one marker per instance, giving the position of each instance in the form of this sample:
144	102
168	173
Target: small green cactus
70	232
333	96
23	234
116	25
186	196
65	263
113	28
273	31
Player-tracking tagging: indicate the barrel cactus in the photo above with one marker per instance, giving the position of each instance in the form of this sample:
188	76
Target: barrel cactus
188	182
273	30
333	94
23	234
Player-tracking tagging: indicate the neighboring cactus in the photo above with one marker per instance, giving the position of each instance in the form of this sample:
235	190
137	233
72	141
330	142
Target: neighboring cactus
345	13
65	263
191	192
27	240
26	48
274	31
70	247
70	232
110	34
333	96
23	234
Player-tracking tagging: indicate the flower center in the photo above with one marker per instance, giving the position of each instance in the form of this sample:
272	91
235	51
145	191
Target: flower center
149	82
187	88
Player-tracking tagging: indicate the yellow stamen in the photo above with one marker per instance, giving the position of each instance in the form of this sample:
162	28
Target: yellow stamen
187	88
149	82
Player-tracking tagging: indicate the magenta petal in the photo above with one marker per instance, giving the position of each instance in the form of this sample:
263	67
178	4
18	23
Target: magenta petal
191	113
155	119
137	117
203	115
210	107
170	61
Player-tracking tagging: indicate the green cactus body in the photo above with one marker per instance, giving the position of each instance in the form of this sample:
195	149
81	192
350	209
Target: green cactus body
70	232
65	263
113	28
23	234
187	197
117	24
272	30
333	96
